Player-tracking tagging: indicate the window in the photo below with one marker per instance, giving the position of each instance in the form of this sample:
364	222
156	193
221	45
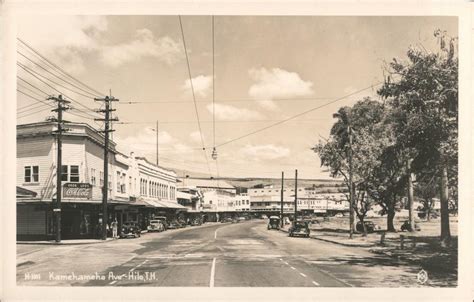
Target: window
118	182
101	179
32	174
93	180
64	173
74	177
123	187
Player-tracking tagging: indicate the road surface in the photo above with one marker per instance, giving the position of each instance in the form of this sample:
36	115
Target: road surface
243	254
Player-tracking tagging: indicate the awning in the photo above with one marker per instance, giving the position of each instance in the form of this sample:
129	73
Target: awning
170	205
22	192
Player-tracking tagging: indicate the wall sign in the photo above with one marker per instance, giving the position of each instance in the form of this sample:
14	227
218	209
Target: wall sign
77	190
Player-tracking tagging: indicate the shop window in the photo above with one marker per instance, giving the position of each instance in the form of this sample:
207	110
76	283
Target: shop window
32	174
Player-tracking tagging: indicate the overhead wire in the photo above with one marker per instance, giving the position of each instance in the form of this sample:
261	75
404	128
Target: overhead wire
193	94
91	95
299	114
30	48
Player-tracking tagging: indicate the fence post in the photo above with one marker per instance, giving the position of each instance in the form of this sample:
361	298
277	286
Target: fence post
402	241
382	238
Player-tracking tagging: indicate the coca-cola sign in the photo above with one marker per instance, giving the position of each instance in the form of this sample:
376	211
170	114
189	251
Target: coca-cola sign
77	190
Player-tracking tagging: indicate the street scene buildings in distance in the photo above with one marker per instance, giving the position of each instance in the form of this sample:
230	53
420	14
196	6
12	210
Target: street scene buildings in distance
226	156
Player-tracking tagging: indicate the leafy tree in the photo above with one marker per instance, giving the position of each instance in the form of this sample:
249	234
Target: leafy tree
424	93
426	190
335	152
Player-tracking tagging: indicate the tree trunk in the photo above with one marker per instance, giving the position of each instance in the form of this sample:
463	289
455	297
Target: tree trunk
361	219
411	217
390	217
428	212
445	232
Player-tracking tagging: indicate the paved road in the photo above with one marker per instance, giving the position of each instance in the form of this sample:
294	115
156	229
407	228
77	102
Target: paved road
215	255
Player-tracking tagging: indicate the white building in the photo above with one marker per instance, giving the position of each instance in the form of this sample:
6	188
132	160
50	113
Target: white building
136	187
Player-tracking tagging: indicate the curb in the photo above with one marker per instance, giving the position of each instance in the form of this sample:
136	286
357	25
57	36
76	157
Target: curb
337	242
62	242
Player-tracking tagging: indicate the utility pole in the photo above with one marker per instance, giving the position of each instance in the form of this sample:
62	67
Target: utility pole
107	120
157	140
296	194
351	185
281	210
60	130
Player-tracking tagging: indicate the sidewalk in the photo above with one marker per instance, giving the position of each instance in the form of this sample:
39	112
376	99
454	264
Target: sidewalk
341	238
66	242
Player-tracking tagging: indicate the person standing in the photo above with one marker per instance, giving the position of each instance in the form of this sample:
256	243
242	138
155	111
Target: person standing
114	226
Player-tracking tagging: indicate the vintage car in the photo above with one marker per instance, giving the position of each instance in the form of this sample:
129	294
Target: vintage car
273	223
370	226
226	219
299	228
196	221
156	225
174	224
130	230
163	220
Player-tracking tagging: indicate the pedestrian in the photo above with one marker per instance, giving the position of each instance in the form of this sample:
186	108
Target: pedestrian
114	225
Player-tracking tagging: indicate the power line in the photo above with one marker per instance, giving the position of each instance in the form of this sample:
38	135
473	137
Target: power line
227	100
208	122
52	87
31	85
194	96
58	77
56	83
297	115
58	68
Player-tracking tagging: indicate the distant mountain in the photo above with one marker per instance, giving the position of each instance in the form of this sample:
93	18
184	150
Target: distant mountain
243	183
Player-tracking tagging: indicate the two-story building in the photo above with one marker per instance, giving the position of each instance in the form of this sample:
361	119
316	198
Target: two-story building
136	188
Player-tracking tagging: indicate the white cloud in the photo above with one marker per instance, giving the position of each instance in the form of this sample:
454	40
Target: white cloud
144	143
144	44
196	136
63	37
277	83
66	39
231	113
264	152
202	85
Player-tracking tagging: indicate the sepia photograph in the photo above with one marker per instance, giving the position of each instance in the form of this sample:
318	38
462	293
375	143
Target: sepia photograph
241	154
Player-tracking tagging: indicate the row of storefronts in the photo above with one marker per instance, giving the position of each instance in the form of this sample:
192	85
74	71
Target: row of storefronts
138	190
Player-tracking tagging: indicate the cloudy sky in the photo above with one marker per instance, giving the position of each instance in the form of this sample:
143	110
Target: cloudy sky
267	69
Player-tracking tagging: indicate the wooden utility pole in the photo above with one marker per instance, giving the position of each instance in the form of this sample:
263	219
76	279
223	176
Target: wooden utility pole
296	194
281	209
157	144
351	189
58	132
107	120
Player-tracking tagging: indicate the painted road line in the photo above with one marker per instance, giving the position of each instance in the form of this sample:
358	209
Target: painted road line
132	269
315	283
281	259
303	275
292	267
286	263
113	282
213	271
215	234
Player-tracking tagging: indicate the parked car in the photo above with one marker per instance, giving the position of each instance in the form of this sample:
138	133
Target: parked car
338	215
299	228
226	219
163	220
155	226
406	226
130	229
370	226
273	223
235	220
241	218
263	216
195	222
174	224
